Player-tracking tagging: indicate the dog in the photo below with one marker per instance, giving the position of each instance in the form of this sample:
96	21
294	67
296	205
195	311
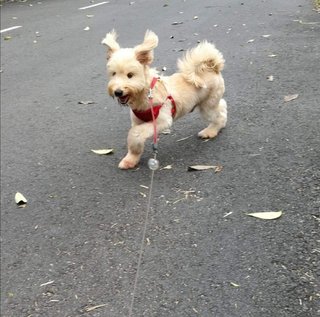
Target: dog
156	101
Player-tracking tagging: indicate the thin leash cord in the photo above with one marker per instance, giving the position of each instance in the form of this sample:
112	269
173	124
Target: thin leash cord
142	242
146	216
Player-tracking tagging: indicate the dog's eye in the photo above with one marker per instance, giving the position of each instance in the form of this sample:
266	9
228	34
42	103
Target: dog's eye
130	75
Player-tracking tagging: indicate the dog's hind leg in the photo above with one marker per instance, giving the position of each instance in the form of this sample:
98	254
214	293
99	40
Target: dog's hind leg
216	114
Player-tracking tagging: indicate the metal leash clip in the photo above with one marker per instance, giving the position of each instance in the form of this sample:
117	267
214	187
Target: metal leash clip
150	93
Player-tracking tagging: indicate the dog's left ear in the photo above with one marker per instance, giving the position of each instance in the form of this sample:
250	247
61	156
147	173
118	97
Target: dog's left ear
144	51
110	41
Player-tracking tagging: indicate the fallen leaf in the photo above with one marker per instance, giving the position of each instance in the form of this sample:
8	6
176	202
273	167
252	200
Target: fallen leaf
88	102
266	35
6	38
176	23
186	138
272	55
143	186
290	97
268	215
86	29
21	201
234	284
91	308
47	283
195	17
201	167
250	41
90	16
270	78
306	23
168	167
103	151
218	168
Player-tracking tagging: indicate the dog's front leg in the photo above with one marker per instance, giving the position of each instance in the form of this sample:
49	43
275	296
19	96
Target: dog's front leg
136	138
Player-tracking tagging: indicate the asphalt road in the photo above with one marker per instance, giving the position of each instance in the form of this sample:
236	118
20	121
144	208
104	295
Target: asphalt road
73	250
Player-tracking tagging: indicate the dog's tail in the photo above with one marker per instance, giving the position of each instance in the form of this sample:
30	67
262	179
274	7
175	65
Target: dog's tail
202	59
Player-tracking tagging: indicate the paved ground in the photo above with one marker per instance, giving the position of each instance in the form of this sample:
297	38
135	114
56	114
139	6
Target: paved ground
75	246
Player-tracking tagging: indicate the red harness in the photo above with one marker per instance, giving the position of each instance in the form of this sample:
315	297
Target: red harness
153	112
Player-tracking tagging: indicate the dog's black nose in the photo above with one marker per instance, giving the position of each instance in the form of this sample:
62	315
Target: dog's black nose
118	93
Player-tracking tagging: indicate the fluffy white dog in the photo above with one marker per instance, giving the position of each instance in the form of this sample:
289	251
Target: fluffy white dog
156	101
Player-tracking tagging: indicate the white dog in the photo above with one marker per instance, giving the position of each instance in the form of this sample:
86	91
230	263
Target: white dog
155	101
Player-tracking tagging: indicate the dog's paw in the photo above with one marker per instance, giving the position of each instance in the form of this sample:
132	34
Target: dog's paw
208	133
126	164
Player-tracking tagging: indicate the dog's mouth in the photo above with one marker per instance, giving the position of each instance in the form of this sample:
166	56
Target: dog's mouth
123	99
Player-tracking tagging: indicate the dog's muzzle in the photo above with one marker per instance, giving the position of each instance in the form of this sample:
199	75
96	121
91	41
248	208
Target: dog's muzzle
123	99
118	93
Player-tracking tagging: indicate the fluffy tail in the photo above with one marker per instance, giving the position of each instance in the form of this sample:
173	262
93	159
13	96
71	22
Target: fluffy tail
202	59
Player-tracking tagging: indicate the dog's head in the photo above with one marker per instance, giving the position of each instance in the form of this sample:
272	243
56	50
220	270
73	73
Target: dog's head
128	67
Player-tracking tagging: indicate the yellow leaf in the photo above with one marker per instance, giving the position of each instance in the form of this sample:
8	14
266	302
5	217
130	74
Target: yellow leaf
290	97
268	215
168	167
103	151
20	199
201	167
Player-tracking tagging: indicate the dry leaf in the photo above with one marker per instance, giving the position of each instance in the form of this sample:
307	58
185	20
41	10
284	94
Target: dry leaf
272	55
234	284
176	23
88	102
21	201
269	215
250	41
86	29
270	78
6	38
186	138
47	283
201	167
218	168
290	97
103	151
168	167
91	308
266	35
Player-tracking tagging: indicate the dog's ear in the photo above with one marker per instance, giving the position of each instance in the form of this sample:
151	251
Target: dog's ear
110	41
144	51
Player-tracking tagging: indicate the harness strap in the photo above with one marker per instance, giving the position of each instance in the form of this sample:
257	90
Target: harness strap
153	112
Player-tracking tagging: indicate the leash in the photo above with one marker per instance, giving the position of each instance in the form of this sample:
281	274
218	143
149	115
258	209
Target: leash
153	165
